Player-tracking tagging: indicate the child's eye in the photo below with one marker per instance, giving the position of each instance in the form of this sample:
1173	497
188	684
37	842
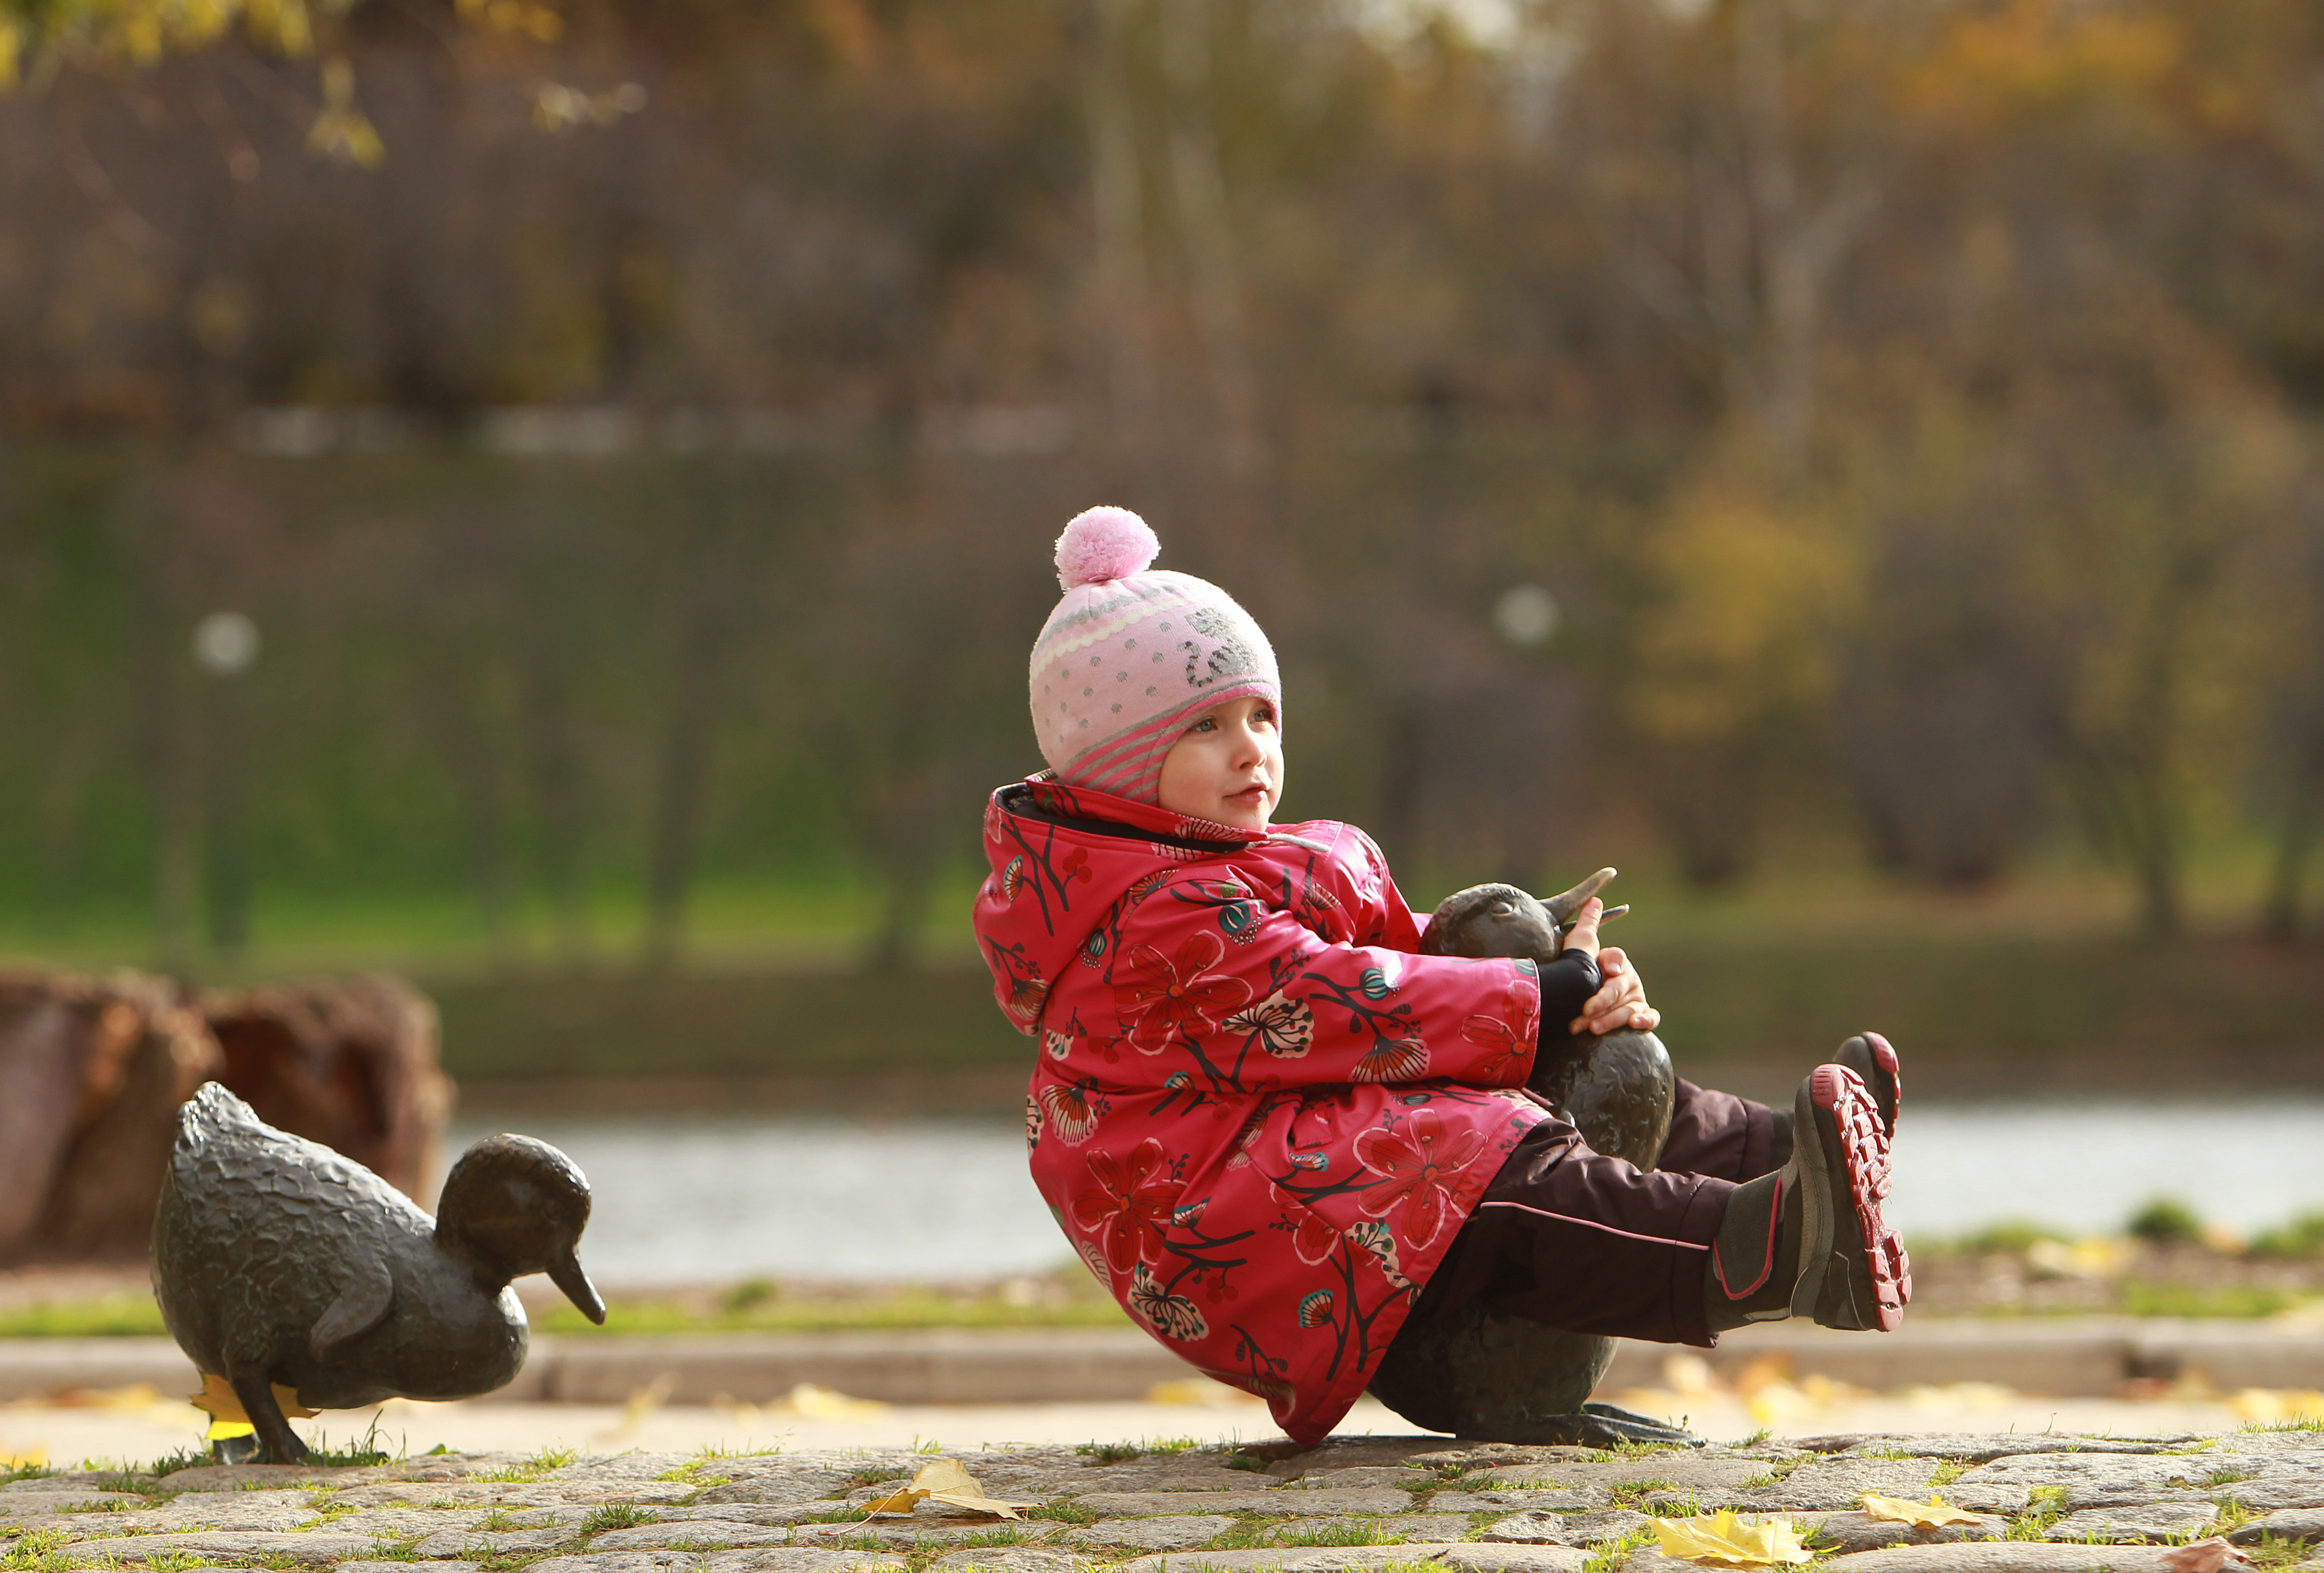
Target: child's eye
1205	724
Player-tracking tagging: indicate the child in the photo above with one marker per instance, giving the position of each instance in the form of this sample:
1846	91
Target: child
1271	1126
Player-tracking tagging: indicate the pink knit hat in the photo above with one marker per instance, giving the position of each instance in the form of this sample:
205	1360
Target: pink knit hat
1133	655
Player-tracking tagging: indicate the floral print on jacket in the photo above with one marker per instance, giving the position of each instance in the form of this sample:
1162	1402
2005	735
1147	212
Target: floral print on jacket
1260	1116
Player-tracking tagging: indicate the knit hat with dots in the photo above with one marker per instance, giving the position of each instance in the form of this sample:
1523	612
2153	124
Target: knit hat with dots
1133	655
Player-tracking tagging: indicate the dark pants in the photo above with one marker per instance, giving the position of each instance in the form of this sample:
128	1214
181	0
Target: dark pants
1588	1243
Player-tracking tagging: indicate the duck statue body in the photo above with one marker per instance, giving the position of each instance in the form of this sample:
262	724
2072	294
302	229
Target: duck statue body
279	1264
1476	1373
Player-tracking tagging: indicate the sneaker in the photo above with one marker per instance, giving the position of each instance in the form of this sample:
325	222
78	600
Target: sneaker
1869	1055
1853	1270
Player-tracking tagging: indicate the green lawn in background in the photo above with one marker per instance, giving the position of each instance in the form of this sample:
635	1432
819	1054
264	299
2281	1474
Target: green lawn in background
768	985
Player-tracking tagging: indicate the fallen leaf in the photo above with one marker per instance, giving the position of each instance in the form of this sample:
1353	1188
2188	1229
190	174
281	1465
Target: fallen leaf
2202	1556
29	1458
1726	1540
944	1480
1934	1514
217	1399
824	1404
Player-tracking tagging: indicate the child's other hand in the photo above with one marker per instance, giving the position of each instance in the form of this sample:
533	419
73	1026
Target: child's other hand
1583	936
1621	1003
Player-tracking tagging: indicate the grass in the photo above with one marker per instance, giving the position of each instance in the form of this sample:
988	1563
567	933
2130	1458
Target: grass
541	1463
354	1455
1947	1471
105	1316
1065	1509
1076	1301
1611	1556
2140	1298
695	1471
1070	1298
42	1551
1627	1492
2046	1506
2278	1551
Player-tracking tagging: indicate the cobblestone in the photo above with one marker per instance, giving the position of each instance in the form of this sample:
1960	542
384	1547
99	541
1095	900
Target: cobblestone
2074	1506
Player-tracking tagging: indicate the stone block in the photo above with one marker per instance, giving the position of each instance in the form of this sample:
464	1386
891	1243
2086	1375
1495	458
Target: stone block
16	1505
1513	1499
2288	1523
1432	1527
798	1560
1474	1556
1321	1503
257	1545
1843	1532
1588	1530
691	1534
2154	1522
2002	1556
1012	1560
490	1543
1171	1533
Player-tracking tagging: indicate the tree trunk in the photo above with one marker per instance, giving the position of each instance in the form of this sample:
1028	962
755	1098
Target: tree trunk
1198	177
91	1074
163	744
2295	843
349	1062
708	613
477	780
1118	208
226	800
553	758
92	1070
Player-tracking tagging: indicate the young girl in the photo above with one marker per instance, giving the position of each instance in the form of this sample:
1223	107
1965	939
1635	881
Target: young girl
1271	1126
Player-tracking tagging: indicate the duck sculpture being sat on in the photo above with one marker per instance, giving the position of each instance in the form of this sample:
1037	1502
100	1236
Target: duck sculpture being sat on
287	1270
1499	1378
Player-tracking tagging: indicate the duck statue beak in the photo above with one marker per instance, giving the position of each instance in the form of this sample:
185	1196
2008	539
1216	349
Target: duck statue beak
566	1273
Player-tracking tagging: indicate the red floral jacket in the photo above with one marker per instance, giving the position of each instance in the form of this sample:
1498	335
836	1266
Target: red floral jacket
1258	1115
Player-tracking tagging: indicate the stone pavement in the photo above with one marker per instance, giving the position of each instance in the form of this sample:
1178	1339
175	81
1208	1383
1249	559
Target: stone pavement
2047	1504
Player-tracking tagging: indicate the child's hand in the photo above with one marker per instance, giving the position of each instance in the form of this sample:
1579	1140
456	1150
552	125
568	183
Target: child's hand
1583	936
1621	1003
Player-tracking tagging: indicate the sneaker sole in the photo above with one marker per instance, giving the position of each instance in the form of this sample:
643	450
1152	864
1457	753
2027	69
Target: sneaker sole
1855	1272
1875	1063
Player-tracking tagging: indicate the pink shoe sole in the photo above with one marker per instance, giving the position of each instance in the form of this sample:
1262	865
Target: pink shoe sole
1873	1059
1865	1280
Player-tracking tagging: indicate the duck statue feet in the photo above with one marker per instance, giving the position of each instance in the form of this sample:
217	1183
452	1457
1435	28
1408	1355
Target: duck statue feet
1499	1378
294	1275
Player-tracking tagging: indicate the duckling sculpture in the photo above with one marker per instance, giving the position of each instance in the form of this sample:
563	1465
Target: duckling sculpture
1501	1378
277	1263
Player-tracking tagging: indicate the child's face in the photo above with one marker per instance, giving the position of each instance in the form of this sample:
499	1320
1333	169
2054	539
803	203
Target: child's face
1228	768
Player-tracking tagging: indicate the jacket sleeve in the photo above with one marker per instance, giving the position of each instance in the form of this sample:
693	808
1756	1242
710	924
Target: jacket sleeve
1260	1000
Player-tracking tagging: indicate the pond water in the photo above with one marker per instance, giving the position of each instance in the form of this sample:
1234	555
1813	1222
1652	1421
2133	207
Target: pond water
711	1199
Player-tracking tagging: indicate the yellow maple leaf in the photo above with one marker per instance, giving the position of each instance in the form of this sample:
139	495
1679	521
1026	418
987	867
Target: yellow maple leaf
945	1480
1933	1513
1724	1540
227	1419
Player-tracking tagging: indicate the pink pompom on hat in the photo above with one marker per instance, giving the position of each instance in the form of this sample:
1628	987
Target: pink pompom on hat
1134	656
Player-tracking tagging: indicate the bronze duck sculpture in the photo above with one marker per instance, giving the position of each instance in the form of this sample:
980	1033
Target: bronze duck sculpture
277	1262
1501	1378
